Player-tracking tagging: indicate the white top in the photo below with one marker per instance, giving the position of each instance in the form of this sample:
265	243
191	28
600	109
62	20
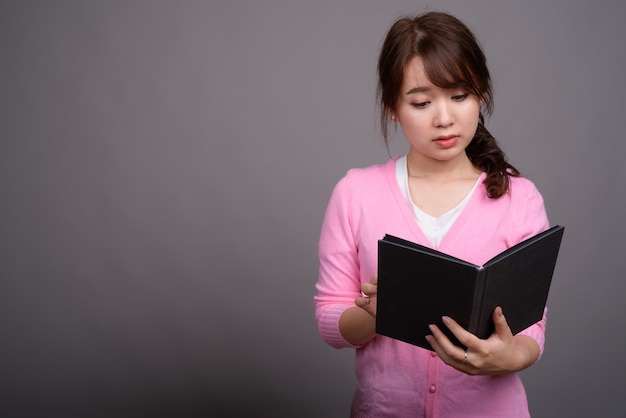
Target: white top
434	228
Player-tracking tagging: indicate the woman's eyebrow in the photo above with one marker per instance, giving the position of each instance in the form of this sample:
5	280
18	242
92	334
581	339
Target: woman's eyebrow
418	90
459	85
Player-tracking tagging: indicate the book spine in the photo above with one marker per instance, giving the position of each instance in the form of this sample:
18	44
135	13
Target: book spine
479	297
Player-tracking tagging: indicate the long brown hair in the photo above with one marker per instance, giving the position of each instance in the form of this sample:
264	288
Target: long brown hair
452	57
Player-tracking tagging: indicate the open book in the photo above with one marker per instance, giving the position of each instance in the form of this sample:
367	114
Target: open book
418	285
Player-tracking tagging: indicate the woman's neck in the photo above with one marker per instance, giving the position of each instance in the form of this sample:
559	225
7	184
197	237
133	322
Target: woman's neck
419	166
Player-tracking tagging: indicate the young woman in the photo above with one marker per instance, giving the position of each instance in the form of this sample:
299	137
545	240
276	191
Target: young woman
454	191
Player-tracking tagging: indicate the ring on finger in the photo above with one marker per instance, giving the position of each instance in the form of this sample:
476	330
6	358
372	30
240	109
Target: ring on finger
464	356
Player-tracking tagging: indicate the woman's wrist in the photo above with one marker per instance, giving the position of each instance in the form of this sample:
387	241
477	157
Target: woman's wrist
527	352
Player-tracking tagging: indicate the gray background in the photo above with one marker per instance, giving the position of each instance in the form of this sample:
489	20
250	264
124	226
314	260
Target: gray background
165	166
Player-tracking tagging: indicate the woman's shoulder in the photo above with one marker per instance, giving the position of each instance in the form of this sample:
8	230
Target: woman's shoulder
522	186
372	172
364	181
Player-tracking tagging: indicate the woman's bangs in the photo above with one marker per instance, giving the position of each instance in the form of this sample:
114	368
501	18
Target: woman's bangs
449	71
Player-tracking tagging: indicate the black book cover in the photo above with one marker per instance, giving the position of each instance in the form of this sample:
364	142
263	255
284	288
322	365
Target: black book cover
418	285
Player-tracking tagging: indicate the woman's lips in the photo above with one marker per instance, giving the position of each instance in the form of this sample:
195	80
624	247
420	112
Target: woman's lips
447	141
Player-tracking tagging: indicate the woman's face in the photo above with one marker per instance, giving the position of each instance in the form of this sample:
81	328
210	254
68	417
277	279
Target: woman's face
438	123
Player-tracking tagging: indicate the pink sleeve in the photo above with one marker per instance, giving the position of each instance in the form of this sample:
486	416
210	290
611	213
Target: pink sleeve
339	273
533	220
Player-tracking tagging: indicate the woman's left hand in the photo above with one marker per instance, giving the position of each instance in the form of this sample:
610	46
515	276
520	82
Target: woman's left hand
501	353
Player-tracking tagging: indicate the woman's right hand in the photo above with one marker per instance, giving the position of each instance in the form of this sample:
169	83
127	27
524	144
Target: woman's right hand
357	324
368	301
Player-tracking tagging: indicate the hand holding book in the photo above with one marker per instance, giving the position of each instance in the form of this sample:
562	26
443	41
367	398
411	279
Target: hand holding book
501	353
417	286
369	300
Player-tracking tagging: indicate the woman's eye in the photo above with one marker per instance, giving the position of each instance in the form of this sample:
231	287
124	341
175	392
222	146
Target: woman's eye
460	97
419	105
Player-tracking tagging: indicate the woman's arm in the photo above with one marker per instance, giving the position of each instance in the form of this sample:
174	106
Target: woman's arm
339	275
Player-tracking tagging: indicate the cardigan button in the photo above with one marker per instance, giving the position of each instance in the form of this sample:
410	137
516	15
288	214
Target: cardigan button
433	354
432	389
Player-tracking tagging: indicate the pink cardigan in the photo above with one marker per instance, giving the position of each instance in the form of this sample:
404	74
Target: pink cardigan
394	378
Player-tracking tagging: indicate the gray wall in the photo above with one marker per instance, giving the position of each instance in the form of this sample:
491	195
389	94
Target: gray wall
164	168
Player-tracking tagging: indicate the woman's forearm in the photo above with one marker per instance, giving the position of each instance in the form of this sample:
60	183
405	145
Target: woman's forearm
357	326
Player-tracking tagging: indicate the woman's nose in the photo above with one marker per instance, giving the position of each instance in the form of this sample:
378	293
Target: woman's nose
443	117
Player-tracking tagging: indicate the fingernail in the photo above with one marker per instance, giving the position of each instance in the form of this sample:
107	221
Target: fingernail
445	319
